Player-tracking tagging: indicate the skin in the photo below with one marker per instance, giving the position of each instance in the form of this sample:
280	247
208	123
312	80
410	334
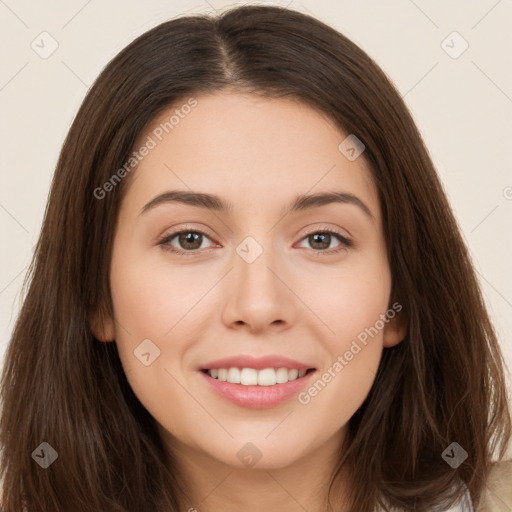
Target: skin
259	154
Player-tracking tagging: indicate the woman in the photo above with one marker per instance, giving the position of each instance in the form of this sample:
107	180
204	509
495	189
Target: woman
249	291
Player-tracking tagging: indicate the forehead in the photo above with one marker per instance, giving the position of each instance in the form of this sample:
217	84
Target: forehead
247	148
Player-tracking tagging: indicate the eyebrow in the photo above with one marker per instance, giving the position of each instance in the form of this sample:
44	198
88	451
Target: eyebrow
214	202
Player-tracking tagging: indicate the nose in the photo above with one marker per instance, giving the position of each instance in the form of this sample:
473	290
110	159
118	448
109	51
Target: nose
257	296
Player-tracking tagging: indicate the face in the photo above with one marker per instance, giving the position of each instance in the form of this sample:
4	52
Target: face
304	288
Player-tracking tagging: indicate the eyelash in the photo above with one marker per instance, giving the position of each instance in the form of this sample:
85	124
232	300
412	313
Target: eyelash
164	242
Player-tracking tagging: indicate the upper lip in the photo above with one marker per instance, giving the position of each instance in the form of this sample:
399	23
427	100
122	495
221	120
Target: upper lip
258	363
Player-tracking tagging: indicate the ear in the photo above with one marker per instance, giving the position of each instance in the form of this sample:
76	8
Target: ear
395	329
102	326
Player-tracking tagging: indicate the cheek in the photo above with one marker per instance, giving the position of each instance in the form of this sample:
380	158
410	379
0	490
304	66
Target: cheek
354	352
150	297
151	302
168	306
353	310
353	301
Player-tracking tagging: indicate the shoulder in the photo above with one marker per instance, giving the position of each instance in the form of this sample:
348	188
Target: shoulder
464	504
497	495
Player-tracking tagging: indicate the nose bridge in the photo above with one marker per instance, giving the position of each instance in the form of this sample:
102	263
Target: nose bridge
258	297
254	259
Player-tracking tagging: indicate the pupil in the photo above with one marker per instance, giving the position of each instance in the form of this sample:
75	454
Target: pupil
322	238
190	238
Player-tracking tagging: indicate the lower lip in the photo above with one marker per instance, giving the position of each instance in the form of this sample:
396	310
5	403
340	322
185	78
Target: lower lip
258	397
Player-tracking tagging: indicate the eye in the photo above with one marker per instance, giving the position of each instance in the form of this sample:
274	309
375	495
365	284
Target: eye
189	241
321	240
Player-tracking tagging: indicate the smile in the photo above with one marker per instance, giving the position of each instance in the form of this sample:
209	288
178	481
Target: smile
252	394
253	377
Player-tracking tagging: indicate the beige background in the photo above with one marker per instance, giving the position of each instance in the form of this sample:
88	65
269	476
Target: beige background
461	103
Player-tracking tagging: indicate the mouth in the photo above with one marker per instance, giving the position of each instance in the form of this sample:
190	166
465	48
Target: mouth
257	389
254	377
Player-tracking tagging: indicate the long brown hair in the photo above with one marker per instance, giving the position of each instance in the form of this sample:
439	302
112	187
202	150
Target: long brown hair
443	383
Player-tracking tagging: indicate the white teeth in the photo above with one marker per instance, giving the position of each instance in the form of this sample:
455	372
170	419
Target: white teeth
282	376
267	377
248	377
252	377
234	376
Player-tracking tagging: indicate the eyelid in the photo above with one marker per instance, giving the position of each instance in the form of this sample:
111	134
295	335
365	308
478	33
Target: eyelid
173	231
324	228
